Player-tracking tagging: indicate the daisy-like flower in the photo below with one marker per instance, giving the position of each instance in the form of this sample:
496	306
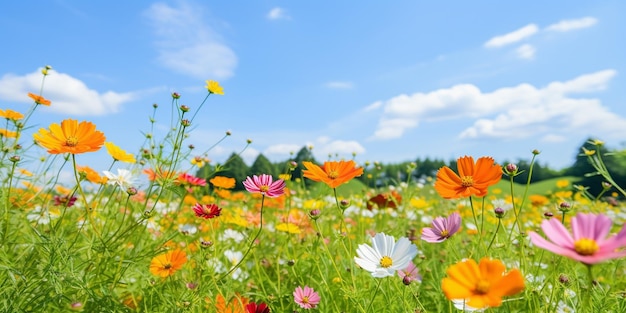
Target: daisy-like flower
306	297
481	285
11	115
332	173
257	308
124	178
236	305
70	137
118	154
409	274
214	87
190	180
91	175
207	211
167	264
588	242
7	133
442	228
265	185
222	182
39	99
385	256
473	178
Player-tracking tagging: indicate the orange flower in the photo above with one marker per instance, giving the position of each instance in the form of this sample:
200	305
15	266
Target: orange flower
70	137
223	182
473	179
39	99
91	174
159	175
332	173
481	285
11	115
236	305
118	154
7	133
167	264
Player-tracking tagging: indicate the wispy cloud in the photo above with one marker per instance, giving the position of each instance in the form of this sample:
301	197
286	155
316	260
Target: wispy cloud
339	85
278	13
526	51
69	95
510	112
512	37
187	45
573	24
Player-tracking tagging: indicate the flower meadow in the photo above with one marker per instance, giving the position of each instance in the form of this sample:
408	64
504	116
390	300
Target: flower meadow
148	235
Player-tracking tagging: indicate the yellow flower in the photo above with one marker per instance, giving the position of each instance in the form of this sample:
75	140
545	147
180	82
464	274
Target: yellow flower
562	183
222	182
118	154
7	133
11	115
70	137
588	152
288	228
39	99
214	87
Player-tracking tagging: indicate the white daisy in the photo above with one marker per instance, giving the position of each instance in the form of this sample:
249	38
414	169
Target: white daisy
124	178
385	256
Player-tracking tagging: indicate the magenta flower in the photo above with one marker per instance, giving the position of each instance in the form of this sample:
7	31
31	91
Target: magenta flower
588	242
409	274
306	298
257	308
207	210
442	228
265	185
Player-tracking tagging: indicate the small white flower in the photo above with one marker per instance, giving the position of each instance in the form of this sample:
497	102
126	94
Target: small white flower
232	234
124	178
385	256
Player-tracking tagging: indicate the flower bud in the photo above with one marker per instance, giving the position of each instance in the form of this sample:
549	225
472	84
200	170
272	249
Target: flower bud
185	122
131	191
175	95
499	212
154	105
548	214
535	152
510	169
184	108
315	214
344	204
564	206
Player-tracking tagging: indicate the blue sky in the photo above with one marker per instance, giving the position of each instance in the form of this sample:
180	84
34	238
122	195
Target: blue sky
390	82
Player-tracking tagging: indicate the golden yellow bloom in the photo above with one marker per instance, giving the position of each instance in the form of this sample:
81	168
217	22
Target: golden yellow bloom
39	99
332	173
7	133
25	172
11	115
588	152
118	154
222	182
214	87
167	264
70	137
288	228
562	183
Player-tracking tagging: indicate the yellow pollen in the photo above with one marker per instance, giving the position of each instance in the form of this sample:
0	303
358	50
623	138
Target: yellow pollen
467	181
586	246
305	299
264	188
71	141
445	233
333	174
482	287
386	262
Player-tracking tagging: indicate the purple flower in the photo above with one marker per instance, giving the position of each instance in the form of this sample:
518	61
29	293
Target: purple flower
588	242
409	274
265	185
442	228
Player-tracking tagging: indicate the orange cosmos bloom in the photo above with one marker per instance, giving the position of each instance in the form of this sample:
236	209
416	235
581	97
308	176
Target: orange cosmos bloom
167	264
39	99
70	137
222	182
11	115
159	174
7	133
473	178
118	154
91	175
236	305
481	285
332	173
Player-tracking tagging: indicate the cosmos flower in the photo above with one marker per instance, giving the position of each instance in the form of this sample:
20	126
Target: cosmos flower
409	274
124	178
265	185
7	133
11	115
168	263
223	182
473	178
385	256
332	173
235	305
70	137
257	308
190	180
207	211
481	285
91	175
442	228
214	87
118	154
39	99
306	297
588	242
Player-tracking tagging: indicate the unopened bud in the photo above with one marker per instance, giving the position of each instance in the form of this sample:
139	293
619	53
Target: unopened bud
175	95
184	108
499	212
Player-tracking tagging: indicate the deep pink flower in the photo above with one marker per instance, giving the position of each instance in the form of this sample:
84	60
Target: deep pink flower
190	180
64	201
257	308
265	185
306	298
409	274
588	242
207	210
442	228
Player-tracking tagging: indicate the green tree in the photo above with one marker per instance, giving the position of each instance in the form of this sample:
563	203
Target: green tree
262	165
236	168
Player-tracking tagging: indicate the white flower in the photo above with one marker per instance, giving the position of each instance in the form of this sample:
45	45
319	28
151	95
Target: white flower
385	256
232	234
124	178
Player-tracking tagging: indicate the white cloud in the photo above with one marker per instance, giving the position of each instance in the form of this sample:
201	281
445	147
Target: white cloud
187	45
68	95
282	150
567	25
278	14
373	106
342	148
340	85
512	37
510	112
526	52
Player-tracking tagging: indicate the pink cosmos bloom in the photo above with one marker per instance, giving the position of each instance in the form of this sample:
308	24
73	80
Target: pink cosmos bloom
207	210
257	308
409	274
190	180
265	185
442	228
306	298
588	242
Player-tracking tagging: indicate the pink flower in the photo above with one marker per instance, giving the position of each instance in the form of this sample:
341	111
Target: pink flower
265	185
442	228
306	298
257	308
588	242
207	210
190	180
409	274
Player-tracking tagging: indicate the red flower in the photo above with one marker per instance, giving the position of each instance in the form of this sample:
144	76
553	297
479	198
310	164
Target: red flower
257	308
207	210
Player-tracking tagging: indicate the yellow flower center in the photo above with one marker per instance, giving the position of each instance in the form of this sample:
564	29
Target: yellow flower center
586	246
333	174
482	287
71	141
264	188
305	300
167	266
386	262
445	233
467	181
